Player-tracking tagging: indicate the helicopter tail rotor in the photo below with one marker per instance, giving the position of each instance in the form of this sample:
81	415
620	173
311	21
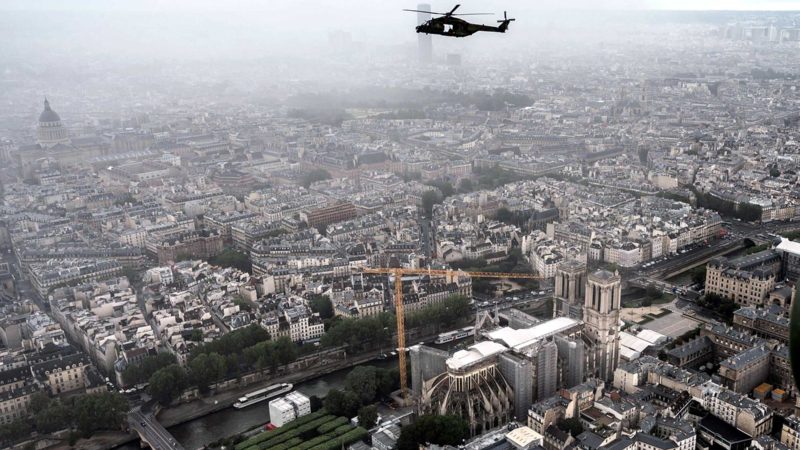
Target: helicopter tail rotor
505	18
504	23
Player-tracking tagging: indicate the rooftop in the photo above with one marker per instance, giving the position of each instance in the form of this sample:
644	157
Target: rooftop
476	353
524	337
788	246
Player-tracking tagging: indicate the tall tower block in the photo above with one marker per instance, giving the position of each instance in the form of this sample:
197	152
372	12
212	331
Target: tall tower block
424	41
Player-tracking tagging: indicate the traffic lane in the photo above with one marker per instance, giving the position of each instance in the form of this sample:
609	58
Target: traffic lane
153	432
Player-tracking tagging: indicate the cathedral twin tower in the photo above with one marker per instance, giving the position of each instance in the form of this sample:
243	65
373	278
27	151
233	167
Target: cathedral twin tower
595	299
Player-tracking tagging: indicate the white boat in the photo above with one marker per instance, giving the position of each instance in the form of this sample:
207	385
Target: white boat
262	394
454	335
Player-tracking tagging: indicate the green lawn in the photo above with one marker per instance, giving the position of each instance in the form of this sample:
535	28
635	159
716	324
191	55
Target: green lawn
316	431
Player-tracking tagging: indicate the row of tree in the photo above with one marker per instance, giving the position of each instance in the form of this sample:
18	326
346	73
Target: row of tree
724	306
144	369
204	369
85	414
250	349
446	314
369	333
433	429
515	262
232	258
363	386
744	211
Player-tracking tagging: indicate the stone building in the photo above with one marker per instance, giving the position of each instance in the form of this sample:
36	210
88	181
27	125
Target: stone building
747	281
601	317
570	287
50	131
473	388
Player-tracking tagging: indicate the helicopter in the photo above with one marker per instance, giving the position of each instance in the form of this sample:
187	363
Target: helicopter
449	25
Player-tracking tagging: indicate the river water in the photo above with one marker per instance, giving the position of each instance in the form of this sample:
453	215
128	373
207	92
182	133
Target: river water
228	422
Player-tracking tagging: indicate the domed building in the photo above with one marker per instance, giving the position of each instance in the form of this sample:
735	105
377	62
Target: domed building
51	131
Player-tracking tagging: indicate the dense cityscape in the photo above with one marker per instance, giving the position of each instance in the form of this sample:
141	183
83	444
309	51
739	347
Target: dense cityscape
591	242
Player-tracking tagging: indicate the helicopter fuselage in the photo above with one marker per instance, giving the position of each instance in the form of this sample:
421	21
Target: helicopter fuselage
455	27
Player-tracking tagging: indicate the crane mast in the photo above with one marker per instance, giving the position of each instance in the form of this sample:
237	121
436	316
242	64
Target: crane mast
398	274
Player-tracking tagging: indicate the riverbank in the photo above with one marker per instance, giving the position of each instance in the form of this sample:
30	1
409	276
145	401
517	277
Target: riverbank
184	412
195	409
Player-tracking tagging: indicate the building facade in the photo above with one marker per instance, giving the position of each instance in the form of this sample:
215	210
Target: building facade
601	317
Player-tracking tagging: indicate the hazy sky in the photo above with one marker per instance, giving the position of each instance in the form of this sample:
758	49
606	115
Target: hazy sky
242	29
279	6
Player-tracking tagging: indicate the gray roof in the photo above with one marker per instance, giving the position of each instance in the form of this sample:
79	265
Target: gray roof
589	440
700	343
740	360
654	441
603	274
48	115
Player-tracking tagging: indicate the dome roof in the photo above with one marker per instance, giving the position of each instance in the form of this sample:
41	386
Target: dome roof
48	115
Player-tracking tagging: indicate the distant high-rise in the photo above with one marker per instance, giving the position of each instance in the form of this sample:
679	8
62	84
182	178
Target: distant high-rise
425	41
601	318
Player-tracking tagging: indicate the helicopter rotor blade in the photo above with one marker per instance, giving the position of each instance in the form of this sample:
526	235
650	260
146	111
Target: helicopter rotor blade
453	10
473	14
429	12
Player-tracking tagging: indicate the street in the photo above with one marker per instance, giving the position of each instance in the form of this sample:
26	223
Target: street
151	431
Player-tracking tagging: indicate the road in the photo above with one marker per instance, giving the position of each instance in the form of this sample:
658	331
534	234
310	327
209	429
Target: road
151	431
25	290
425	234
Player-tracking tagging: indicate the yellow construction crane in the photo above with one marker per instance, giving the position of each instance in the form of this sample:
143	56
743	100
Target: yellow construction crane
398	274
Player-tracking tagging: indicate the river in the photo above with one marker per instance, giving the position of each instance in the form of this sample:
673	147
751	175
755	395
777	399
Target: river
228	422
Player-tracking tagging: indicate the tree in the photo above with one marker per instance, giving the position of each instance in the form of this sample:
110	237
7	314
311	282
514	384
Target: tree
104	411
314	176
196	335
167	383
361	381
15	430
774	172
141	372
234	342
387	381
699	275
285	350
444	187
38	402
429	199
446	313
243	304
206	369
465	185
232	258
504	215
433	429
573	426
652	292
316	403
367	416
342	403
370	333
53	418
321	304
